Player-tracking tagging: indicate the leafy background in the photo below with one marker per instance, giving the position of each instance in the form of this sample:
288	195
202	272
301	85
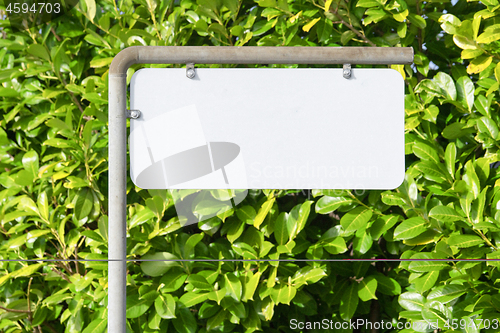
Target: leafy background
53	137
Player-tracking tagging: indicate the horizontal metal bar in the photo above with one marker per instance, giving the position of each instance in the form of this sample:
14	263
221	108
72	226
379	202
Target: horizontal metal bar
258	55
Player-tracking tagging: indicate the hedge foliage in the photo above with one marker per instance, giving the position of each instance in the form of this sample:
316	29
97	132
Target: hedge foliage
53	157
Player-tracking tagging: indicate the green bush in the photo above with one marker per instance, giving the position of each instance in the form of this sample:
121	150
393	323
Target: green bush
53	138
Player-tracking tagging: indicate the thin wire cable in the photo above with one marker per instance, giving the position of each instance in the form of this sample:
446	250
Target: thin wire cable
252	260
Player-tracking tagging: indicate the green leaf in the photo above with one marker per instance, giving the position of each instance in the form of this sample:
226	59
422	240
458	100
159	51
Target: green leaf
431	113
188	250
96	326
349	302
101	62
402	28
445	294
410	228
283	294
190	299
393	199
8	92
446	84
141	217
355	219
336	246
185	321
327	204
426	282
434	315
263	211
479	64
431	171
308	275
137	307
281	229
347	36
450	156
91	9
367	3
382	224
362	243
199	282
462	241
246	214
374	15
51	93
217	320
56	299
444	213
425	152
31	163
297	218
450	23
367	288
235	228
159	266
103	227
417	20
387	285
28	205
38	51
233	286
39	316
491	34
26	270
83	203
268	308
232	5
324	30
455	131
154	321
43	206
471	53
250	286
465	42
488	126
207	310
24	178
471	179
465	91
427	266
267	3
411	301
217	295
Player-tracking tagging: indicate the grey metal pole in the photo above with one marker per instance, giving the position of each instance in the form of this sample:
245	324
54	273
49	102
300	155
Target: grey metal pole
117	243
117	198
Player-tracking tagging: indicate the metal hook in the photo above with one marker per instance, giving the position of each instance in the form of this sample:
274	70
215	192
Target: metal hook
133	114
346	71
190	72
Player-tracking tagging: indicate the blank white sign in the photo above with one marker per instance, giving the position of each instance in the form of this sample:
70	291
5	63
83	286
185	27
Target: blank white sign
267	129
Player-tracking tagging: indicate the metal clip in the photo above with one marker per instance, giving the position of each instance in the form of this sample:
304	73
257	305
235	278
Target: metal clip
190	72
346	71
133	114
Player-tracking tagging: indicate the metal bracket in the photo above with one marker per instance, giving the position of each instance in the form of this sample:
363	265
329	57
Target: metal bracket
190	72
133	114
346	73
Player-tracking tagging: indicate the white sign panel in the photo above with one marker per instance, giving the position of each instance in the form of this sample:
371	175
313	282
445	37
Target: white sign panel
267	128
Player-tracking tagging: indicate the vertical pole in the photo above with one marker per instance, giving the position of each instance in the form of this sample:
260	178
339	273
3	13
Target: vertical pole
117	227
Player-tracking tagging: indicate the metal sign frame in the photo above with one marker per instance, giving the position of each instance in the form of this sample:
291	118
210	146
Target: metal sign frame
117	128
